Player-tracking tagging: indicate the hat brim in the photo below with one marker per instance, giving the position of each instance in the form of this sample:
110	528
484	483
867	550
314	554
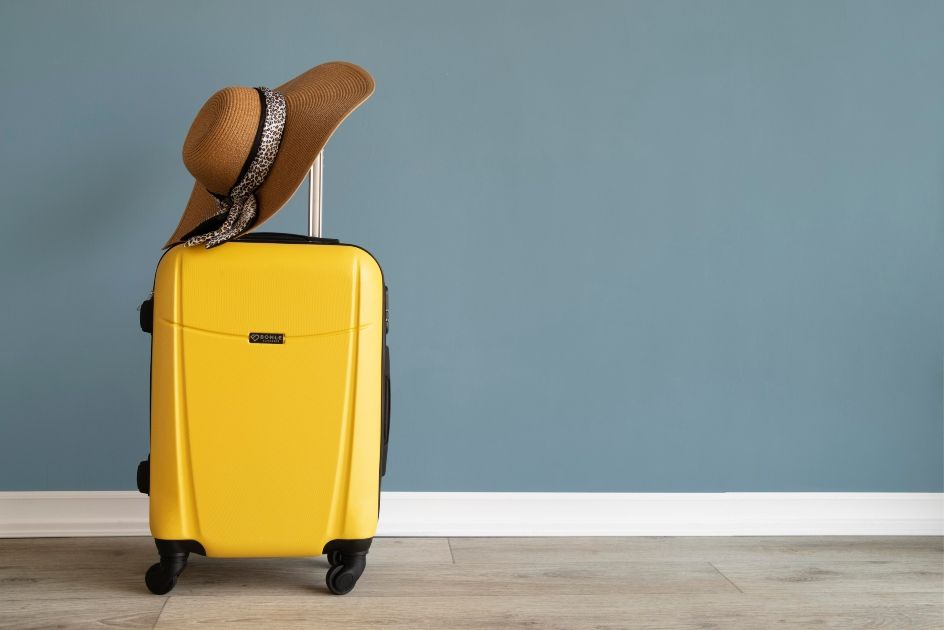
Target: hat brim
316	103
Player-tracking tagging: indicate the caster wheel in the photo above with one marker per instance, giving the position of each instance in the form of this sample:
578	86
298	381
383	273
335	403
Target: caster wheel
158	581
343	576
334	558
340	580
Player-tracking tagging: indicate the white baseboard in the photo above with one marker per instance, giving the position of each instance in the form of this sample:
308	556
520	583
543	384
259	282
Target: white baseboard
28	514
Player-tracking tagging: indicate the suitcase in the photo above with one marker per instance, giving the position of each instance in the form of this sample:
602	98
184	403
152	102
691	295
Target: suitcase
270	401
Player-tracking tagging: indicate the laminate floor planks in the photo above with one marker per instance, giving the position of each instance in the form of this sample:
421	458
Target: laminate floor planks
493	583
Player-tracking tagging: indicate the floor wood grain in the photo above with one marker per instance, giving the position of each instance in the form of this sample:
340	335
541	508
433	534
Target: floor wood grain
107	612
494	583
876	576
687	549
50	568
560	612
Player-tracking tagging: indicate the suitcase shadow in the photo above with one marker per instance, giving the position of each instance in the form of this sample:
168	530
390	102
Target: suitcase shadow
253	576
115	567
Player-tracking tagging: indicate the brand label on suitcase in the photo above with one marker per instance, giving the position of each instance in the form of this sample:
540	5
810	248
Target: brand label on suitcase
262	337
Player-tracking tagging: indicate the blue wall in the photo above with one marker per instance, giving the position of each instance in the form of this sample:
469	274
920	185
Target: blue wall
632	246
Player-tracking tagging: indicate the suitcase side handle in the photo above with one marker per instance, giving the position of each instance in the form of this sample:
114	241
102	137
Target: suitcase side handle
146	315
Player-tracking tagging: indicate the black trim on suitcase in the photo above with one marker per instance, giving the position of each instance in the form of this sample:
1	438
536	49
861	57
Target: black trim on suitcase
171	547
283	237
348	545
385	411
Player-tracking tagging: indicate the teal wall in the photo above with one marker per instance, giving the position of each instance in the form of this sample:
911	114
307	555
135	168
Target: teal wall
632	246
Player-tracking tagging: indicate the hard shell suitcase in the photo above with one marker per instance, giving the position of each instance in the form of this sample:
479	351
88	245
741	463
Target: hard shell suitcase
269	401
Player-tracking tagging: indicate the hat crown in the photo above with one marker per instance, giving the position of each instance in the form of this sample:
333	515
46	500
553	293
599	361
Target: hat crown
221	137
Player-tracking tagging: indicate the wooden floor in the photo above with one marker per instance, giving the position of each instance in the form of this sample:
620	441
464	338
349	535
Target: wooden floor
491	583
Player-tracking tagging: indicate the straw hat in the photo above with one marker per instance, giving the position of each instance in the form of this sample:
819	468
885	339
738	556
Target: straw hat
225	138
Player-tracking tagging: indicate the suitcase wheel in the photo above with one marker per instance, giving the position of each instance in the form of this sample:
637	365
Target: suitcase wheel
161	578
158	581
344	572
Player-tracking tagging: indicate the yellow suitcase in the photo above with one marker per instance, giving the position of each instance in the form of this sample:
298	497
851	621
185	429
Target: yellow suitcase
269	403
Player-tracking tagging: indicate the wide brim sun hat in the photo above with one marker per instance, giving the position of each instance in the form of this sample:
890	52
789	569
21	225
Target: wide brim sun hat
249	149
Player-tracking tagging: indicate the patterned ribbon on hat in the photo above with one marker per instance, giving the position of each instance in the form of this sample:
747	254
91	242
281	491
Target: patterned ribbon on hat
240	204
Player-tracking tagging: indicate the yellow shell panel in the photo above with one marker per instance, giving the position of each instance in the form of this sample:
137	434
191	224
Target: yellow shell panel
266	449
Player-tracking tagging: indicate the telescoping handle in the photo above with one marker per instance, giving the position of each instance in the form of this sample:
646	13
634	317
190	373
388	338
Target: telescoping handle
315	188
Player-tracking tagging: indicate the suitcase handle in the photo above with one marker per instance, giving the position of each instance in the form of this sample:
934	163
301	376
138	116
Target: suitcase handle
146	315
315	189
282	237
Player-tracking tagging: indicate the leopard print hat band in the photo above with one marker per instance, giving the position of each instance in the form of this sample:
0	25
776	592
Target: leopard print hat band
240	205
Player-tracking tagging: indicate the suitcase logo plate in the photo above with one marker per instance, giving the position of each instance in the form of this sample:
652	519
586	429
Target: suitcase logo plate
264	337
